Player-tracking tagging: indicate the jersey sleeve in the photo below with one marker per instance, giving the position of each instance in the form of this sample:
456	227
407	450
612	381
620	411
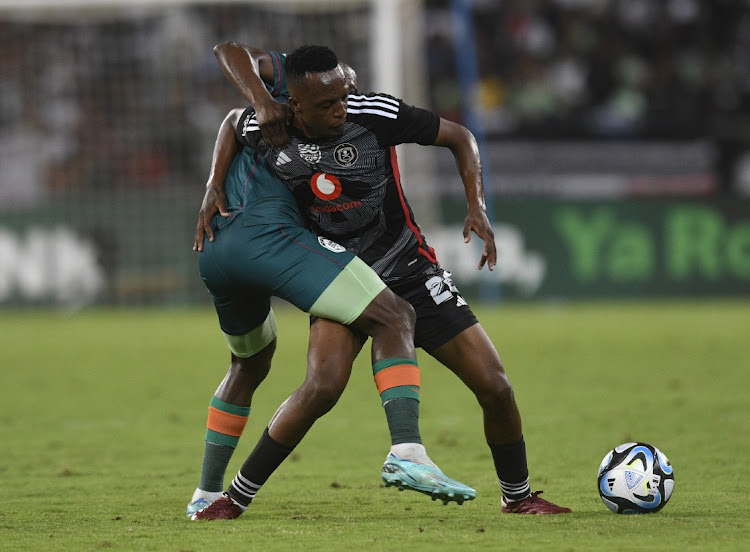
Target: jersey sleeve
394	121
247	131
278	88
416	125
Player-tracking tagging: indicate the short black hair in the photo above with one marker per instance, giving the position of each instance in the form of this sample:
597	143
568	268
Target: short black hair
309	59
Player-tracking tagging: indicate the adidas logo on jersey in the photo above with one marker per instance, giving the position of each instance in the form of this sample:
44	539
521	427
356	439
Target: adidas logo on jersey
282	159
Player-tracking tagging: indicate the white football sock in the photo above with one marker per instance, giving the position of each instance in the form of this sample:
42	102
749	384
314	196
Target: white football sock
413	451
208	495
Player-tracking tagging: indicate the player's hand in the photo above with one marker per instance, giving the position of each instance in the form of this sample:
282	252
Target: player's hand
274	119
477	222
215	201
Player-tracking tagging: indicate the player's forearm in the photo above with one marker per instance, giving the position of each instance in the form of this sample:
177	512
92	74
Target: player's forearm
246	68
225	149
465	150
470	170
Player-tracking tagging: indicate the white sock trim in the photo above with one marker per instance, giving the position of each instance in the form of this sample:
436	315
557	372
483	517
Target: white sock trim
208	495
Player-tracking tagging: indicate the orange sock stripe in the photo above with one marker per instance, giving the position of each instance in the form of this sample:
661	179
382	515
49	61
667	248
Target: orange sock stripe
396	376
226	423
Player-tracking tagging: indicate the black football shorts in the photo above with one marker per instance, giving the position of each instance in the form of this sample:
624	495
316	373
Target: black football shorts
442	312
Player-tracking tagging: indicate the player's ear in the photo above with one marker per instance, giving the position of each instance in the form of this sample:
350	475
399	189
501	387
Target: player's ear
294	104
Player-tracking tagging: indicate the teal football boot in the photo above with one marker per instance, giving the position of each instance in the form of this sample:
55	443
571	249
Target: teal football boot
424	478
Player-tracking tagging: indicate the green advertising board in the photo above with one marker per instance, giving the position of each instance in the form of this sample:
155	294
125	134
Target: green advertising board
622	248
137	250
129	248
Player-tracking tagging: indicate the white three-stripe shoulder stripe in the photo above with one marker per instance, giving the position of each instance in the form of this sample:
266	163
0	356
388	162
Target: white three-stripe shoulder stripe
374	105
250	124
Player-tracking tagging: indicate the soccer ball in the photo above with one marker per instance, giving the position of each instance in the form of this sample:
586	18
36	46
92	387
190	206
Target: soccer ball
635	478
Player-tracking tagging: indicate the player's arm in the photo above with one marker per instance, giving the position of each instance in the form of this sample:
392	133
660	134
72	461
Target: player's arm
215	200
465	149
249	70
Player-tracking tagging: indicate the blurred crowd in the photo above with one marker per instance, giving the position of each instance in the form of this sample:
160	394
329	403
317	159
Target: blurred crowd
132	99
598	68
135	100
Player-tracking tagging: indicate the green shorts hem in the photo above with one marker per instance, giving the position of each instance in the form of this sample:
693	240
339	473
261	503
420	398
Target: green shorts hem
254	341
349	294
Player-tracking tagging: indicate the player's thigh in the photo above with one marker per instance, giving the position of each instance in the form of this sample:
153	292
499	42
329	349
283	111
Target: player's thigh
448	330
472	356
441	311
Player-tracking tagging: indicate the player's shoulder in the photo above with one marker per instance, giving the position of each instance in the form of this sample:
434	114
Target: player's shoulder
373	95
375	104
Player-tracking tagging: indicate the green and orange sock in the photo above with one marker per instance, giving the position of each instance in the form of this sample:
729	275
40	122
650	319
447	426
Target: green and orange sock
225	425
397	380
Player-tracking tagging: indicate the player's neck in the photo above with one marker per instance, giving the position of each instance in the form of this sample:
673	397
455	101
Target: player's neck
305	130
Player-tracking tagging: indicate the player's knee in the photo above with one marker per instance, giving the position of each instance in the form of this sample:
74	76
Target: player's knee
320	396
387	316
399	315
256	367
495	392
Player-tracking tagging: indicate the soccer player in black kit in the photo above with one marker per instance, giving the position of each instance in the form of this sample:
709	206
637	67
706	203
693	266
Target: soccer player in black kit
339	161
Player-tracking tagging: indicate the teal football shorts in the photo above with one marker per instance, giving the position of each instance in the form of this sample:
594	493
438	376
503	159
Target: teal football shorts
246	265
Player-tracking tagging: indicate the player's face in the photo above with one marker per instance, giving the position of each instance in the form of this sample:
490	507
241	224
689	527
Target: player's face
320	104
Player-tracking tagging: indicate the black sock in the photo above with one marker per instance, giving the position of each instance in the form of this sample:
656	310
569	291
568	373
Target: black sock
512	470
262	462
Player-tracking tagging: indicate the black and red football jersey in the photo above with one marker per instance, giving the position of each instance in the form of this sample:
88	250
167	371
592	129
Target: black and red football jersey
349	187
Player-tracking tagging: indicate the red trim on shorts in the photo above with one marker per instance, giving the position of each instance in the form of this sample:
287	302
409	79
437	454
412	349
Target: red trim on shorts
428	252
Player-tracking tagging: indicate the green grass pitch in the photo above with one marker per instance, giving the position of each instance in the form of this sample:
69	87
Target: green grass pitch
102	417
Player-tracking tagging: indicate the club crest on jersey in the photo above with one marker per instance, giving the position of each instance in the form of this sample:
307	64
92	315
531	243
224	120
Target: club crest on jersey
345	155
310	152
326	186
331	245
